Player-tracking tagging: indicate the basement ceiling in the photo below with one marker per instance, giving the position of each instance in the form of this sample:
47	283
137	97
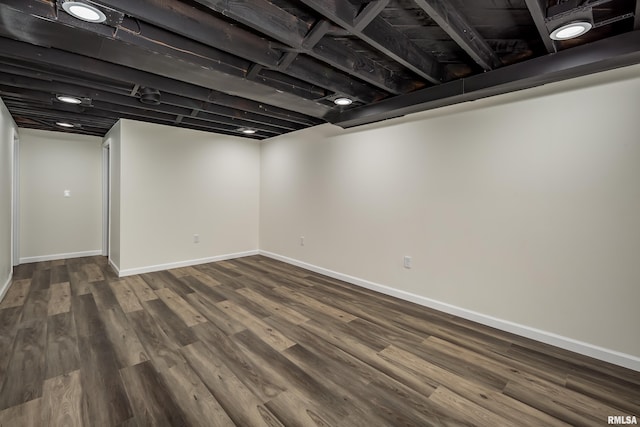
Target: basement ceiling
277	66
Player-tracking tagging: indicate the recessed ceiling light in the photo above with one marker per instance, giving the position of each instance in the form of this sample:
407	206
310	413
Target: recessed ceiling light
83	11
571	30
342	101
65	125
68	99
248	131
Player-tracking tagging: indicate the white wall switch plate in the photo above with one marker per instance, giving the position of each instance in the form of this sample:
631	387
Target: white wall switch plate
407	262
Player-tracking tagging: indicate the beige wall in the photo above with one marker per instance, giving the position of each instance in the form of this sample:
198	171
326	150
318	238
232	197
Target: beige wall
524	208
7	131
112	138
51	225
176	183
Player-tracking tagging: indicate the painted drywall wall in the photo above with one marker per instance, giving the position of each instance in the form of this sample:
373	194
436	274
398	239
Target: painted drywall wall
53	226
7	132
113	138
175	183
524	207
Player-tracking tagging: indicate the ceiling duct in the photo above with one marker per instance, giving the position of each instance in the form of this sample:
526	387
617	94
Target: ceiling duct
149	96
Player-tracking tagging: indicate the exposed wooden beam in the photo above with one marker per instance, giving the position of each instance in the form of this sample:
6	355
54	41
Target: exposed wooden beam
612	20
290	30
315	34
567	9
613	52
209	113
273	21
105	118
135	89
44	91
15	92
538	14
164	64
62	60
189	22
55	83
25	69
204	121
164	42
220	110
152	38
333	80
382	36
152	55
96	119
370	11
286	60
311	39
359	66
457	27
254	70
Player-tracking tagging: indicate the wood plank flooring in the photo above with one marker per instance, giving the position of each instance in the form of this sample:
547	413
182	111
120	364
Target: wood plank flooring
256	342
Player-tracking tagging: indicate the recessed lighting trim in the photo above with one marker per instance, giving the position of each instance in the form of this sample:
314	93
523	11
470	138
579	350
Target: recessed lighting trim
69	99
343	101
84	12
248	131
571	30
65	124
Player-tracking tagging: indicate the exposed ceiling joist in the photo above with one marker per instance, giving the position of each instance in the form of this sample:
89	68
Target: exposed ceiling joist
275	66
454	24
204	28
369	13
361	67
538	14
32	73
202	69
613	52
296	34
89	66
383	37
97	120
270	20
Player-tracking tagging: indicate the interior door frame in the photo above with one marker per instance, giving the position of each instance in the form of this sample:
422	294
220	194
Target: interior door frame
15	201
106	196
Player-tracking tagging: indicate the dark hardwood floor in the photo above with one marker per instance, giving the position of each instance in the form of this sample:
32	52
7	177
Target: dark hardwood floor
256	342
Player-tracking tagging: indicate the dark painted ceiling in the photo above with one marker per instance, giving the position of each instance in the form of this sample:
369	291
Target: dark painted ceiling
277	66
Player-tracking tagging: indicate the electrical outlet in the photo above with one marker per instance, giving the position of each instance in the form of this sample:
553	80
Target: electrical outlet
196	238
301	240
407	261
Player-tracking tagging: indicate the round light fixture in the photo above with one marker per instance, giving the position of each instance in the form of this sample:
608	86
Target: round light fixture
342	101
69	99
571	30
83	11
248	131
65	125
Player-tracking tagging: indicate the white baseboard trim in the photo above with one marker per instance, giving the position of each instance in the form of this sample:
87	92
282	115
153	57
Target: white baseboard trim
54	257
114	266
168	266
600	353
5	287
